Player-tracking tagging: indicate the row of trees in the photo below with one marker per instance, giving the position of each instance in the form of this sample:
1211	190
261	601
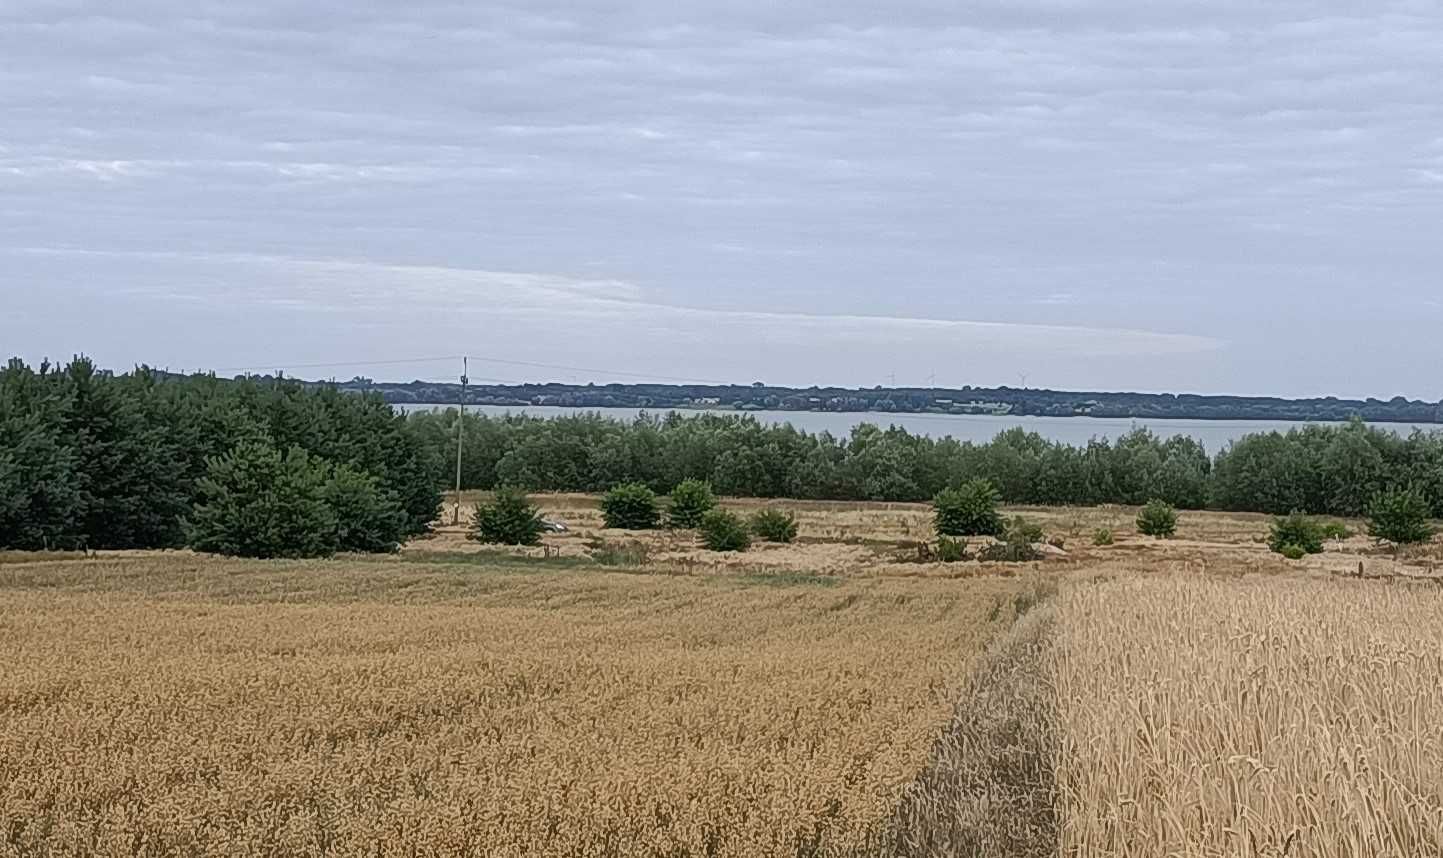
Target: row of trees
1322	469
740	456
91	459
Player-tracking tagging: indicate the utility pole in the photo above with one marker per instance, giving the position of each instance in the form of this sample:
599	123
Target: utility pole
461	435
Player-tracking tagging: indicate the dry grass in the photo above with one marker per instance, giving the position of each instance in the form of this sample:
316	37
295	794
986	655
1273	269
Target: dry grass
183	705
1264	717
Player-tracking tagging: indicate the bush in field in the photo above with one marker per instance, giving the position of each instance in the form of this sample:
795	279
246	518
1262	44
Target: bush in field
369	520
690	500
1016	545
951	550
1400	516
256	502
1020	529
1292	552
774	525
968	510
1102	537
1335	530
630	506
724	531
509	519
1297	531
1158	519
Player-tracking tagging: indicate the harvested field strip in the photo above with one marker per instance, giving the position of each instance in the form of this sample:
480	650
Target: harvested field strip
989	788
1267	717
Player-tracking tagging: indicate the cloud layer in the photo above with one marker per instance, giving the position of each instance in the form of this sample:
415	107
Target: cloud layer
1219	196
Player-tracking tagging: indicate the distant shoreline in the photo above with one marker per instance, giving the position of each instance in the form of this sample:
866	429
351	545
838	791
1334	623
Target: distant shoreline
940	402
692	409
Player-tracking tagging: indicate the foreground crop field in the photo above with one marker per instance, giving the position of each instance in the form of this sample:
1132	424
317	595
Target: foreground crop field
184	705
629	694
1261	717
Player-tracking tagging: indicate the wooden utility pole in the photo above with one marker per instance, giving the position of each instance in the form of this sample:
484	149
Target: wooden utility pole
461	435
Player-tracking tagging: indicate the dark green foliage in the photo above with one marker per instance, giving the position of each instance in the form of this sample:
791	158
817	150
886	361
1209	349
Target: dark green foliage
690	500
1103	536
508	519
368	519
774	525
722	530
91	459
1157	519
40	493
951	550
630	506
1400	516
255	502
1298	531
1293	552
968	510
1334	530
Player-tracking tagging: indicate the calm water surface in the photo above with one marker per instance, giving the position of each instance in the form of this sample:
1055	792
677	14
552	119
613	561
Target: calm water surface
1214	434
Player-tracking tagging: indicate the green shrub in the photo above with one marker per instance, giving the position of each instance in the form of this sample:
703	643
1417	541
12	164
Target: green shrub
968	510
630	506
1296	531
509	519
1103	536
1292	552
1157	519
774	525
1335	530
951	550
722	530
254	502
368	520
690	500
1400	516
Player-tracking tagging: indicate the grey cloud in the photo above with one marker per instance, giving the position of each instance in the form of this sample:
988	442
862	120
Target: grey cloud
1260	176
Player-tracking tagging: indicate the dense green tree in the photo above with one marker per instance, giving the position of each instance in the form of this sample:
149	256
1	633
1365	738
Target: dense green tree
968	510
257	502
630	506
723	530
1157	519
509	518
690	500
40	493
1296	530
1400	516
369	520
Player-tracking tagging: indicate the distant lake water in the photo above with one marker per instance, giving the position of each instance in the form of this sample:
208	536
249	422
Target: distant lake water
1214	434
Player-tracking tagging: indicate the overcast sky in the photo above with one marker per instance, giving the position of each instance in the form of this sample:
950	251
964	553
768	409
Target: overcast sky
1232	196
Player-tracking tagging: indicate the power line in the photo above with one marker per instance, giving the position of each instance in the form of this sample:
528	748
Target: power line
598	371
335	365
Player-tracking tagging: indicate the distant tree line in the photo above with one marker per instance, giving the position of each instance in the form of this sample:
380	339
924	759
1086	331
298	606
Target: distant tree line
910	400
92	459
1322	469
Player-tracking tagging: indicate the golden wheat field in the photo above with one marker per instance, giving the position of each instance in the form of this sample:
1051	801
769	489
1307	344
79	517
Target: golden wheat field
183	705
628	694
1260	717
